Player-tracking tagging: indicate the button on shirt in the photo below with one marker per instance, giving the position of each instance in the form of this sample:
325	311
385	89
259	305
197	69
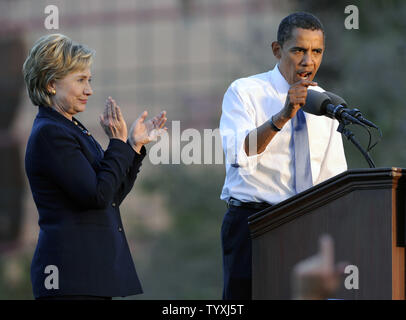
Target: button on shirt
269	176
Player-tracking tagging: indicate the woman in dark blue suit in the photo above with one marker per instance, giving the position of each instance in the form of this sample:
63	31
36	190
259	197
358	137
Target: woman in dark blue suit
82	251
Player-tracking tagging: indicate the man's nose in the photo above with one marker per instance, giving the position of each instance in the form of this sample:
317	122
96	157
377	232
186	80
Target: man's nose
307	59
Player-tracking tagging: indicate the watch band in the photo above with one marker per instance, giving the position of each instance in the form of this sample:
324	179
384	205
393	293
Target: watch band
274	127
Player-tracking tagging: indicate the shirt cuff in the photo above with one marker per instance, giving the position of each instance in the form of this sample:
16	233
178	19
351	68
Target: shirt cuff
236	156
247	165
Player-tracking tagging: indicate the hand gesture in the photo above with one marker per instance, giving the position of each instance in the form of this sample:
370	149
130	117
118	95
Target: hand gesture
143	132
113	122
296	97
317	277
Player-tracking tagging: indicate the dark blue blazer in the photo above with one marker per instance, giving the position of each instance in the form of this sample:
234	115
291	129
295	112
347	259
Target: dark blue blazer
77	188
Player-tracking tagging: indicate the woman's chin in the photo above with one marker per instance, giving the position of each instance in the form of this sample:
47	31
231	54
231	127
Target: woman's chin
81	107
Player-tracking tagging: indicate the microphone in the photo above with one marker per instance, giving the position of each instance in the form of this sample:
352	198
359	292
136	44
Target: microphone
320	104
357	114
335	99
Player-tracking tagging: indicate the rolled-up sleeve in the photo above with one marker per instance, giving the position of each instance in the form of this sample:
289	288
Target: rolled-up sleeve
237	121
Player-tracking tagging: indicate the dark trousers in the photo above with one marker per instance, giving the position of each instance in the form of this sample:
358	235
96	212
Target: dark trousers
237	254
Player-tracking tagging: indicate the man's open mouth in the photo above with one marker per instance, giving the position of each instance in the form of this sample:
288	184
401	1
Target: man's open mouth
305	74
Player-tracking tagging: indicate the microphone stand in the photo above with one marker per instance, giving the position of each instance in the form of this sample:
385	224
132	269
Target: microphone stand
350	136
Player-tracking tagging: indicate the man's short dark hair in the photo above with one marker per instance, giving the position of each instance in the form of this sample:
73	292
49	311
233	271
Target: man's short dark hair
302	20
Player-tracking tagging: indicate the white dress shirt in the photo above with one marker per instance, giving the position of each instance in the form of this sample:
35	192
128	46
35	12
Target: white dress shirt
269	176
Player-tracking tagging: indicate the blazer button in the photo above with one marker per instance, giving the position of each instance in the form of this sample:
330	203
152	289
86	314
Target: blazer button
113	204
120	229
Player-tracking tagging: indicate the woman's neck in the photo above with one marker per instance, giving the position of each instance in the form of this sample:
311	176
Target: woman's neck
62	112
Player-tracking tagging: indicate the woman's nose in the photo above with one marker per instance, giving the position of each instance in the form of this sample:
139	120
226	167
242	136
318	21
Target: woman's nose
88	90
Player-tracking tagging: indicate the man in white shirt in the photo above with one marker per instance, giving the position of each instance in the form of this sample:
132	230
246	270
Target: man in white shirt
268	157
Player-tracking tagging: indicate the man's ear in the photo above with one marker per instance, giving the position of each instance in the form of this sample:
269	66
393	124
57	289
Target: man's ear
277	49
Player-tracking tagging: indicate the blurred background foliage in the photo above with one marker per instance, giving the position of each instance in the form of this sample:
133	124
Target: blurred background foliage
173	216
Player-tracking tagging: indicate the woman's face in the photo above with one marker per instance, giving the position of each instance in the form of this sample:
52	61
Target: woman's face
72	92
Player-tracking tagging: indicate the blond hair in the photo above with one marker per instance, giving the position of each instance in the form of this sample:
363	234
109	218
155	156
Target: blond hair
52	58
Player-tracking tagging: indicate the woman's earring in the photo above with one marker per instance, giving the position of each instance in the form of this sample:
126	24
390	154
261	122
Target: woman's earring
53	92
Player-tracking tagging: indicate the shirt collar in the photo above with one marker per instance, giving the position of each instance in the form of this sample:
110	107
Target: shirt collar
278	80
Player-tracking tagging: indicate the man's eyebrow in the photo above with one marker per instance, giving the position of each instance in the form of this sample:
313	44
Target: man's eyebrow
297	48
304	49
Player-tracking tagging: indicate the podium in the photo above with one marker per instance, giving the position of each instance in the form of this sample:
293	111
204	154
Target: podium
364	212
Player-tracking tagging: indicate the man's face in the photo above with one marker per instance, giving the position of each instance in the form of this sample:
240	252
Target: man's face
300	56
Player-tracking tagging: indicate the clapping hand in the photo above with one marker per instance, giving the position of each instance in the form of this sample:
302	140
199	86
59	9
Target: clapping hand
143	132
112	121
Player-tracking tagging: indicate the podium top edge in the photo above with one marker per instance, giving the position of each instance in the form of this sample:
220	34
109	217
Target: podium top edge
375	175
